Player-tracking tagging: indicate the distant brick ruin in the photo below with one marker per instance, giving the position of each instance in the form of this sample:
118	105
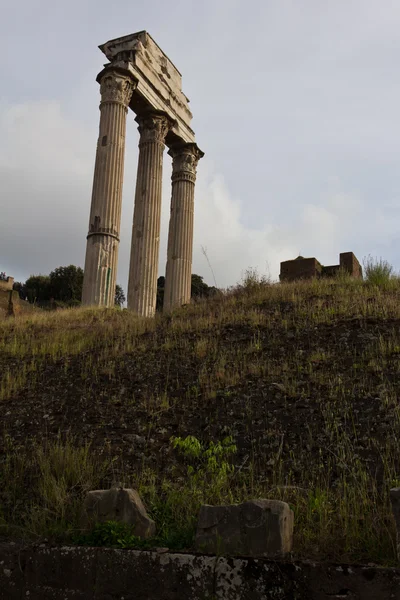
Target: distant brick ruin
311	268
6	283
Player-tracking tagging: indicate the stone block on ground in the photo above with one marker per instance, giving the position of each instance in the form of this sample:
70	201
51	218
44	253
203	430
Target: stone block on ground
255	528
118	504
395	500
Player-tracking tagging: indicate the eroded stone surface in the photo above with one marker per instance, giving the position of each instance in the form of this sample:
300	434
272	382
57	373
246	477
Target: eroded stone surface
64	573
105	213
118	504
254	528
178	276
6	284
159	86
140	76
146	229
311	268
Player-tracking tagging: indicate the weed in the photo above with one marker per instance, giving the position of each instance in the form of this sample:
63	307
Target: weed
377	272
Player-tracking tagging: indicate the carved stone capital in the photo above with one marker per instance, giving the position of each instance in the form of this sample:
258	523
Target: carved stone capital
115	87
184	161
153	128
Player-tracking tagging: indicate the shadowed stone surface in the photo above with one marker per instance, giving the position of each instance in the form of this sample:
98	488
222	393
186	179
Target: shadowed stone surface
395	500
254	528
118	504
70	573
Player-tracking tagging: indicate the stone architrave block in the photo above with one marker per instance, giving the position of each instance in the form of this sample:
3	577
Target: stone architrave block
259	528
395	501
118	504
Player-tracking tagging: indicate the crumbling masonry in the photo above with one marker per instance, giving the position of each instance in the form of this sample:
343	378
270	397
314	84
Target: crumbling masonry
139	76
311	268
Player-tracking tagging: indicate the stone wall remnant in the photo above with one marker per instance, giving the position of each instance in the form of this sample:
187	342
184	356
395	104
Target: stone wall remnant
311	268
55	573
6	283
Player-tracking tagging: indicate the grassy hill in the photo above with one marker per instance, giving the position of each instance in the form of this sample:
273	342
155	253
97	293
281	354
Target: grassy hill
295	386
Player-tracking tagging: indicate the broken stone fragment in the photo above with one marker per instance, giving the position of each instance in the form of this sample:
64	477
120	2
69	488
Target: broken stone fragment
118	504
395	500
254	528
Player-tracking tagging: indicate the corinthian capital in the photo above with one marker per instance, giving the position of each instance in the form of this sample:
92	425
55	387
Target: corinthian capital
153	128
185	159
115	87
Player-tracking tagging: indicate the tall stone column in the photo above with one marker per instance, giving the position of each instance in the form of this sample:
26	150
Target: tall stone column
143	269
105	214
180	237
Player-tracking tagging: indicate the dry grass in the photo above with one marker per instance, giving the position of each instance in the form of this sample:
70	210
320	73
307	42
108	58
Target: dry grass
304	377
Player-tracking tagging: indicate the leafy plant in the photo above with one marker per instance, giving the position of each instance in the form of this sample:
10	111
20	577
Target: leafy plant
110	534
208	465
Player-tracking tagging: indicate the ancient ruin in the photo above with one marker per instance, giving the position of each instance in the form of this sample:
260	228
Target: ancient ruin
140	76
311	268
6	283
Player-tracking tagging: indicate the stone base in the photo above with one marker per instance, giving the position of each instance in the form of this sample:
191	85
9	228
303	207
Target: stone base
72	573
254	528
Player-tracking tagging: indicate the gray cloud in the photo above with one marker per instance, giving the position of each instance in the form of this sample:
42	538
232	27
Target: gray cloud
295	105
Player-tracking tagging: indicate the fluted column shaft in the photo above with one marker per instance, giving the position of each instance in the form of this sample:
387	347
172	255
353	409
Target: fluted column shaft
143	269
105	214
178	274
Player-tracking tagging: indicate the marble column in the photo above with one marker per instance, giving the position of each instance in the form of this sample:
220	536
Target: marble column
143	269
180	237
101	260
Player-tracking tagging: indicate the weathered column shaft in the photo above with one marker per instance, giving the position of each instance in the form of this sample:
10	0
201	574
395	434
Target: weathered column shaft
143	269
105	213
178	274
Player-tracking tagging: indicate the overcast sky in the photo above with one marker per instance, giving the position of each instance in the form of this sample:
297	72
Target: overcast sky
295	102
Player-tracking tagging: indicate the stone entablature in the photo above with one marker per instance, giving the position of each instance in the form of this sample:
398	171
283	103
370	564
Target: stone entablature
159	83
6	284
310	268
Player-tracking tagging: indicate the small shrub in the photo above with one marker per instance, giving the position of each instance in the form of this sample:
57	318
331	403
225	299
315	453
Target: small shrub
378	272
208	468
252	279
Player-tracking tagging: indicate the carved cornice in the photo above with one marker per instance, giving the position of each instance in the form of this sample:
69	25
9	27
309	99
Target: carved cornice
153	128
115	87
184	162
